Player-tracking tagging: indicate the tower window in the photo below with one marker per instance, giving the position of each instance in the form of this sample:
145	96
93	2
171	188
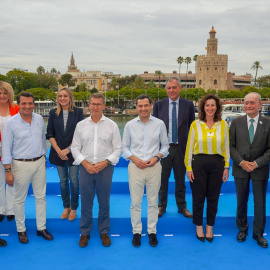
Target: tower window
215	81
215	68
200	82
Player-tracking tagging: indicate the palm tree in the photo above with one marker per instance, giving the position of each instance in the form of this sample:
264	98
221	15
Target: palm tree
256	65
180	60
53	71
195	60
40	70
159	73
187	61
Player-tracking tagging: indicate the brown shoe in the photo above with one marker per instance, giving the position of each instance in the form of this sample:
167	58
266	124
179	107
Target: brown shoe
106	241
84	240
186	213
161	211
65	213
23	237
72	215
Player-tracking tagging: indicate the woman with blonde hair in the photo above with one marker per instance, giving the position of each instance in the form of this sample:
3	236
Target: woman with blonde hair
61	126
7	109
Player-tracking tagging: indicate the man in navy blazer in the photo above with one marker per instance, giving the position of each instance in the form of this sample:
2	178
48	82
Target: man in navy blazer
250	152
185	115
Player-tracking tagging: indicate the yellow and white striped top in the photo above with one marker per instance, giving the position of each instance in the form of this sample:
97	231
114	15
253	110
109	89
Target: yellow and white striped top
203	140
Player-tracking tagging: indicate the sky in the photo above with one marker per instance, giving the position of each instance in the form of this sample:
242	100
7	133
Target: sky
130	37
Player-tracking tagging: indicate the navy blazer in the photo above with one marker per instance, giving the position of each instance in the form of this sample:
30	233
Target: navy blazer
186	115
55	129
258	150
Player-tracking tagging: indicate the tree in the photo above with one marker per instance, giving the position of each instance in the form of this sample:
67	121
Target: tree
46	81
187	61
3	78
42	94
159	74
256	65
40	70
53	71
139	83
195	60
264	81
180	60
113	83
66	79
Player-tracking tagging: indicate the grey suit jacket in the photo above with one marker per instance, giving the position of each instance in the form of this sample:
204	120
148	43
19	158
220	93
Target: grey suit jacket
258	150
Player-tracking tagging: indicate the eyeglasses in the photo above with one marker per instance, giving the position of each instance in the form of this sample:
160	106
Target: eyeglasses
173	87
96	104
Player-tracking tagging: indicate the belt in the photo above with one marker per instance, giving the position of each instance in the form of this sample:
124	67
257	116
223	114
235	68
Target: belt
27	160
173	144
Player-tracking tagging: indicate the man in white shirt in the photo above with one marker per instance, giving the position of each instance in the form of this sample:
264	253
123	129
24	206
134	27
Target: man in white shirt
144	143
24	146
96	147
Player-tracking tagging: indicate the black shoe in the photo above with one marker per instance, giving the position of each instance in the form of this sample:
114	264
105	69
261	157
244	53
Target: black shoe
23	237
3	243
10	217
1	218
153	239
45	234
201	238
136	241
241	236
209	239
261	241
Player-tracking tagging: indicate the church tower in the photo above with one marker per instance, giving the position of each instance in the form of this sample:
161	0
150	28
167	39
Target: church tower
212	68
72	67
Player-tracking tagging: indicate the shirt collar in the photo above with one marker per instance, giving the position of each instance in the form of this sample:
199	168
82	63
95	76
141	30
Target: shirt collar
256	118
139	120
101	119
171	101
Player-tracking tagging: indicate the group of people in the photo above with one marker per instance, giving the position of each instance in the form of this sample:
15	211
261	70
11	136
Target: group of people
86	150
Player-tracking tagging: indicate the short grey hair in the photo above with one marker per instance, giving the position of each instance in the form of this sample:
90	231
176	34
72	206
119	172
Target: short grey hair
97	95
174	78
255	93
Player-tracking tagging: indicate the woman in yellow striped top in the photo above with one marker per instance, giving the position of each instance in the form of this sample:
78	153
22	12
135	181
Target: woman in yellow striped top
207	162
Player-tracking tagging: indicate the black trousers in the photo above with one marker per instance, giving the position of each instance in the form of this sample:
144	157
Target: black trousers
176	162
208	171
259	193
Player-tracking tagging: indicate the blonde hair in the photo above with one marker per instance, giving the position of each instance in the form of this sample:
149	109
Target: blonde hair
71	101
8	88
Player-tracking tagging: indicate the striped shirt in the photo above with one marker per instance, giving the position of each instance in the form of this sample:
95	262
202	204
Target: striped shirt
203	140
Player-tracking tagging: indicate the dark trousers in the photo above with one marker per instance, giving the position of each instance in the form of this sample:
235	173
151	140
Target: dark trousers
208	171
176	162
101	183
259	193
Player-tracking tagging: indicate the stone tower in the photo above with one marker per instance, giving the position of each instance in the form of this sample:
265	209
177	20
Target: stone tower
212	68
72	67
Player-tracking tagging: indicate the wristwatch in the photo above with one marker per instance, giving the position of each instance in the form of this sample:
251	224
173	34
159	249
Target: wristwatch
109	162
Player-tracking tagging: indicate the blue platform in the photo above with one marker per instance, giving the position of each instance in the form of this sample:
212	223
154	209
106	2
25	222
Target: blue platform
178	247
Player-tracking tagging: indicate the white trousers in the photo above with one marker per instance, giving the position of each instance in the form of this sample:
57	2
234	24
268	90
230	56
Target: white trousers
6	194
24	174
138	178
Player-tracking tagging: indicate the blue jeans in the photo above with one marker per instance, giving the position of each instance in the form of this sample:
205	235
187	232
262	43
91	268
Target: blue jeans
69	173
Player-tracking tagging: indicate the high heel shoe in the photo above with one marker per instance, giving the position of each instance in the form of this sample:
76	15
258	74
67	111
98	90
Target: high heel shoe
72	215
65	213
201	238
209	239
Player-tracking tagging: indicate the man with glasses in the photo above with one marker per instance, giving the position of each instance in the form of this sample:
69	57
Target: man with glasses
96	147
177	114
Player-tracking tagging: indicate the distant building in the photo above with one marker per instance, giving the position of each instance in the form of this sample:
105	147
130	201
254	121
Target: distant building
92	79
211	71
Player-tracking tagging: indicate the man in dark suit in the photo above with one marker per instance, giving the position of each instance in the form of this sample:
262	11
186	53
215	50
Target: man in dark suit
177	114
250	152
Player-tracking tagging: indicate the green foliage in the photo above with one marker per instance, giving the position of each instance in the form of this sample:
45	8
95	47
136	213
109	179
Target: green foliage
66	79
151	84
264	81
3	78
40	70
84	96
42	94
53	71
94	90
139	83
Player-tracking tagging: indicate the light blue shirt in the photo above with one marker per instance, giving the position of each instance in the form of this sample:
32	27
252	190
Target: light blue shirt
145	140
23	141
170	118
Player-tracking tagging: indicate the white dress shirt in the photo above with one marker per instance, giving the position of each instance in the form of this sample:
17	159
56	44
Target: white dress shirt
255	123
22	140
96	142
145	140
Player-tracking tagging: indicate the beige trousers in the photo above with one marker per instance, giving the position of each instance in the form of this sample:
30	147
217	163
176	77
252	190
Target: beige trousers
24	174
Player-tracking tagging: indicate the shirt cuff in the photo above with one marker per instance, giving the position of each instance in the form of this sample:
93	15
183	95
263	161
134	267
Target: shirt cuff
78	160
